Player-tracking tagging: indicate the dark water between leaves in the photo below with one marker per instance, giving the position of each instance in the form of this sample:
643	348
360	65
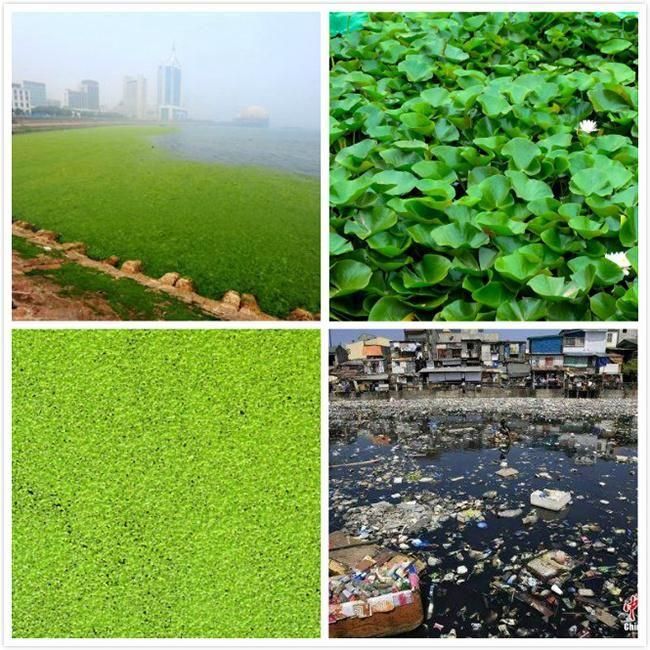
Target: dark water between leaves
599	528
289	150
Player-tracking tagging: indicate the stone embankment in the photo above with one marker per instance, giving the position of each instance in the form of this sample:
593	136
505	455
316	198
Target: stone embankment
232	305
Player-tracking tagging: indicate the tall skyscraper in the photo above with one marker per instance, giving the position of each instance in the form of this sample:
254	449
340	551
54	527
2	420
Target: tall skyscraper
135	97
91	90
74	99
37	91
169	90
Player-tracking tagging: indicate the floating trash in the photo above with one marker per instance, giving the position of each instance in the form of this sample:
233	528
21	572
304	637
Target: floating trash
554	500
542	573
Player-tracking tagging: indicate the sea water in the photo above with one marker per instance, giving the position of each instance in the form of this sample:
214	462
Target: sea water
285	149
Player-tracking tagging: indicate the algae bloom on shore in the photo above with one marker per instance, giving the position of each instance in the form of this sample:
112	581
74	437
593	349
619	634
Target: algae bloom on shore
249	228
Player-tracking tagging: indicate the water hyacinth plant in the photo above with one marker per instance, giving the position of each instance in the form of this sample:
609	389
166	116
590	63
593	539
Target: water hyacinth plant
484	167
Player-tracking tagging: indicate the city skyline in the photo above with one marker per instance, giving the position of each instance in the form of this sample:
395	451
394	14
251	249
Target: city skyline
229	61
134	103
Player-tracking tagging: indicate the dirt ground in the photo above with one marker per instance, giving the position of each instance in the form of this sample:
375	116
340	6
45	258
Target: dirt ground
37	298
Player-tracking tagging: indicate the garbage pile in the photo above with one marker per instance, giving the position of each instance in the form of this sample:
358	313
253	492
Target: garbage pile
379	589
399	414
384	521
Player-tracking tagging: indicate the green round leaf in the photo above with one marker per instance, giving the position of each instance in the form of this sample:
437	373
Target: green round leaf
522	152
429	271
553	288
391	309
526	309
388	243
459	310
416	67
339	245
492	294
500	223
517	267
615	45
603	305
394	183
454	235
588	228
349	276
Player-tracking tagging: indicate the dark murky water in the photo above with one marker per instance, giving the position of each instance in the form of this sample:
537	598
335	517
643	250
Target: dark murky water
290	150
598	530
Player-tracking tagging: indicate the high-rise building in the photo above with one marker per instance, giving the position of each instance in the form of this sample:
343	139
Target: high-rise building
135	97
86	98
91	90
20	99
37	92
74	99
169	90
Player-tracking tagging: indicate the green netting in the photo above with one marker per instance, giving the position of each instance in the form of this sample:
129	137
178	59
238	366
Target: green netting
344	22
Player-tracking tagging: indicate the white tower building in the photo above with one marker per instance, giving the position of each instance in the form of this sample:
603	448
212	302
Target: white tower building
135	97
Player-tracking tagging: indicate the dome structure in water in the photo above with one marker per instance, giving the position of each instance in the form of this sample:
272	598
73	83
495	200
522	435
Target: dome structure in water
252	116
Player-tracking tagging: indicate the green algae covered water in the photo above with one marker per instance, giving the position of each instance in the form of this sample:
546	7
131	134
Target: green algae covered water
251	228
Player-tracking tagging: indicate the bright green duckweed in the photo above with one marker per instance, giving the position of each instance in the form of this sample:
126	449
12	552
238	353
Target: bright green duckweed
166	483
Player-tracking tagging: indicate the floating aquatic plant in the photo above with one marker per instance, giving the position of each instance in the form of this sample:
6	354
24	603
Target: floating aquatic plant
484	167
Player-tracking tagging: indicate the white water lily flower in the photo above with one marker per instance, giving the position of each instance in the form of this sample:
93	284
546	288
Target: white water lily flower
588	126
621	260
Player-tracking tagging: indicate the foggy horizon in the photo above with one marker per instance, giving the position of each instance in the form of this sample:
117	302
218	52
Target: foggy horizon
229	61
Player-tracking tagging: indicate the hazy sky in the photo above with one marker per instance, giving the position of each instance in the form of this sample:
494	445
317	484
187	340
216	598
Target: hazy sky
228	61
346	336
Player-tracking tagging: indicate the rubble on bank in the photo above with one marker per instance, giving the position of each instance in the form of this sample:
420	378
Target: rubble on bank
539	410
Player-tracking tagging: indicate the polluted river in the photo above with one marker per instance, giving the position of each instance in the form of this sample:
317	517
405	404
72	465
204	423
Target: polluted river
437	480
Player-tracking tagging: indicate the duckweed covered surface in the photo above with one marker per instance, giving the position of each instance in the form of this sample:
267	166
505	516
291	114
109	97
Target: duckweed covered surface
165	483
462	184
